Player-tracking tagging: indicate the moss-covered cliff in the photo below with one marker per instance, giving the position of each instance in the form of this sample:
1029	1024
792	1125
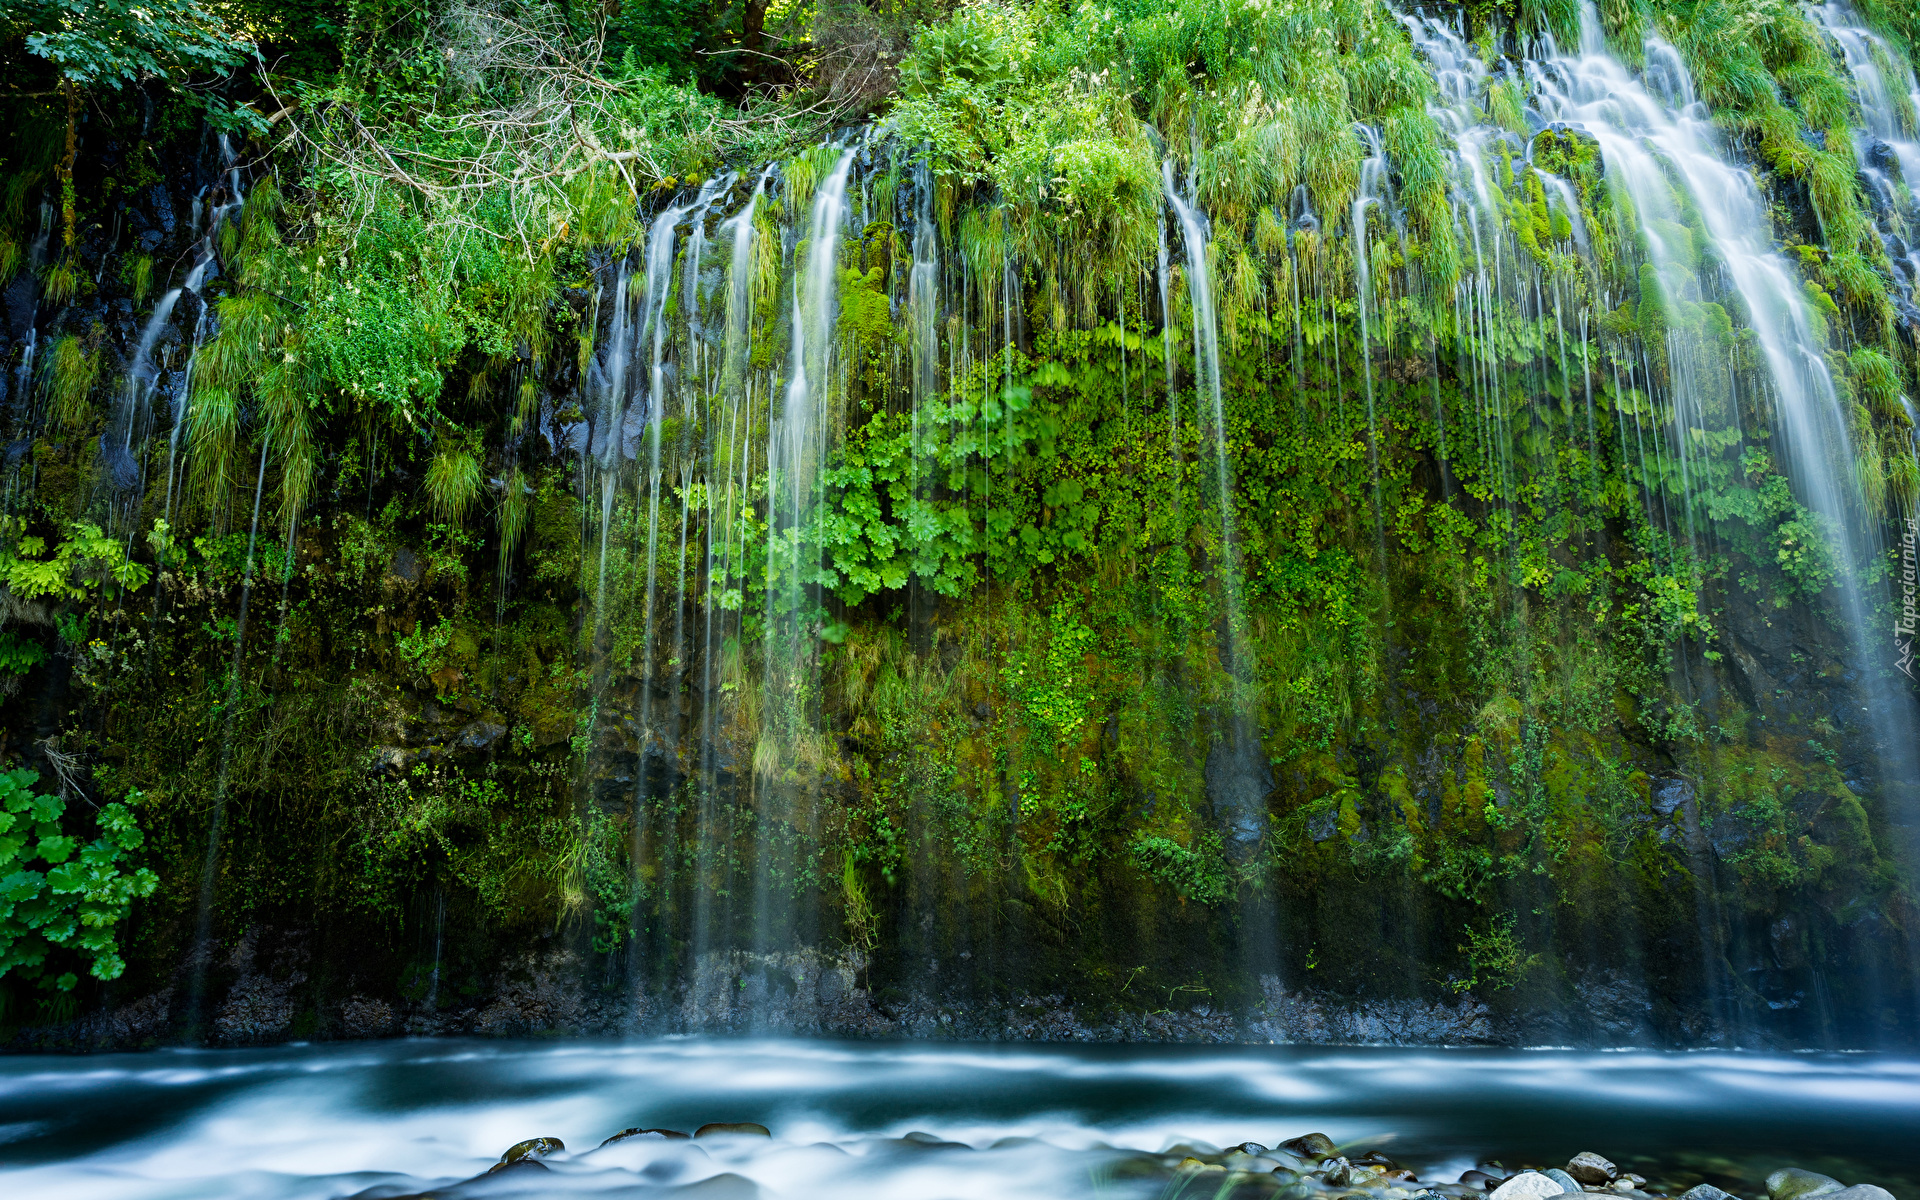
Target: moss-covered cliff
1196	519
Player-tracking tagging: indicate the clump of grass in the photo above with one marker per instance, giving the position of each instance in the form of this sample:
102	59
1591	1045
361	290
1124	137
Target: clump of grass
72	371
515	507
453	481
62	283
138	273
214	439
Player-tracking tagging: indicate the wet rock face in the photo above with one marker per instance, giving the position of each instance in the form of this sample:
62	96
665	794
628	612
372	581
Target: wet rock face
1239	780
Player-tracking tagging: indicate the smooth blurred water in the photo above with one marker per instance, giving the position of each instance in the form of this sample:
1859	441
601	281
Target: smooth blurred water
396	1117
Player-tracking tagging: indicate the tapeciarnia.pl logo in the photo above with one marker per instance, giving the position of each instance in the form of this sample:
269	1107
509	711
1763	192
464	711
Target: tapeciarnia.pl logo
1903	625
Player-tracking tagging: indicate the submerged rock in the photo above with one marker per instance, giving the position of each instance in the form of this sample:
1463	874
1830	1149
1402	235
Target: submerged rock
538	1147
1859	1191
1791	1183
625	1134
739	1128
1311	1146
1566	1181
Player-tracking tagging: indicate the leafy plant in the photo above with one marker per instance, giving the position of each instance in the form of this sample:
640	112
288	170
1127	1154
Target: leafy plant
62	897
75	568
1196	873
18	655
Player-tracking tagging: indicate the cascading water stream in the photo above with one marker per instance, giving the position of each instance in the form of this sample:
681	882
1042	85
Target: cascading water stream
728	463
1702	229
1245	818
796	449
660	246
1888	147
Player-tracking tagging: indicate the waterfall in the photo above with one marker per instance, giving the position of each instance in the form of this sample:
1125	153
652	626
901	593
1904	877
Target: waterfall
611	378
788	749
1374	190
1655	140
1888	147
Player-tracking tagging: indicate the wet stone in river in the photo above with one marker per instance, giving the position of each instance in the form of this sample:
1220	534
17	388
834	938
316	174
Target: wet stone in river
1311	1145
539	1147
1792	1183
1527	1184
1589	1167
625	1134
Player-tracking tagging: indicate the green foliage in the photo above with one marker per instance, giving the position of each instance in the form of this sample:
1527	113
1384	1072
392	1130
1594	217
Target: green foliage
1496	956
17	655
62	897
77	566
115	42
1199	874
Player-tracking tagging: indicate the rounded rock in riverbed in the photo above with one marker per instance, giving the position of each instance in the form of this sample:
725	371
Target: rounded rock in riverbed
1567	1182
1706	1191
1526	1186
1589	1167
736	1128
625	1134
1791	1183
1859	1191
1311	1145
539	1147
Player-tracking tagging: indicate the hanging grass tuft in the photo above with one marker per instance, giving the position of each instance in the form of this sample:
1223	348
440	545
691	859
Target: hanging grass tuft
62	283
72	370
453	481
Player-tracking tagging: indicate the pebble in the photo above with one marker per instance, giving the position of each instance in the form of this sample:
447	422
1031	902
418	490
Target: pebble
1567	1182
1480	1179
1525	1185
1791	1183
1706	1191
1589	1167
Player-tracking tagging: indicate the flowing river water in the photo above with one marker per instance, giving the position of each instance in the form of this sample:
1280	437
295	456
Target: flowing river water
379	1120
